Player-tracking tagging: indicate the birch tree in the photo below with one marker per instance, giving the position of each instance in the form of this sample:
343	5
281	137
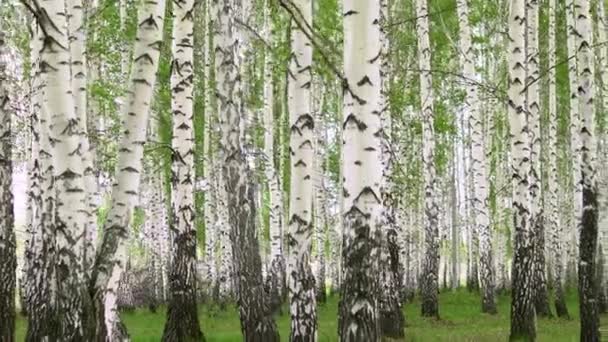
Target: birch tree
125	190
523	317
182	316
391	314
430	274
478	166
320	196
555	225
8	245
540	294
68	169
41	291
358	311
276	276
301	281
587	285
77	40
257	323
575	152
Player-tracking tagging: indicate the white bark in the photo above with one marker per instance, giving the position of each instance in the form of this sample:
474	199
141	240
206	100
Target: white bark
68	168
8	244
78	63
588	220
125	193
523	318
478	165
225	270
300	279
575	144
554	225
320	196
182	315
362	153
211	218
41	290
257	323
277	266
430	277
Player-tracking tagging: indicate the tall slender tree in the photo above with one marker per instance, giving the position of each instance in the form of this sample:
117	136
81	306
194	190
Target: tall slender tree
523	316
320	195
391	315
125	190
276	274
587	285
300	279
541	300
182	316
40	278
257	323
478	165
555	225
68	172
8	245
430	273
575	143
78	69
362	211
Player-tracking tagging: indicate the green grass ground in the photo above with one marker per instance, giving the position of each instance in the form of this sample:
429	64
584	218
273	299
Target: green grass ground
461	320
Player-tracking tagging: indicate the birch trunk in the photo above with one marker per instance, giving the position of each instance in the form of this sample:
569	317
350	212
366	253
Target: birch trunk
555	225
456	221
276	276
33	244
587	285
125	192
430	274
182	316
320	196
540	295
301	281
41	297
68	170
362	157
211	215
257	323
523	317
77	40
478	165
391	315
225	277
575	144
8	244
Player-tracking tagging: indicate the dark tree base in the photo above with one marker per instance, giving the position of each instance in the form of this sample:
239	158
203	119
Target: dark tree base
182	322
265	331
587	282
561	310
489	307
392	323
321	295
543	308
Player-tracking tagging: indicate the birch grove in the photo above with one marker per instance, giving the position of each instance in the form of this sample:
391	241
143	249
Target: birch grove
328	170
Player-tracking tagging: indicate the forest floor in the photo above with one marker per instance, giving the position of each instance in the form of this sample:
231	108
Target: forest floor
461	320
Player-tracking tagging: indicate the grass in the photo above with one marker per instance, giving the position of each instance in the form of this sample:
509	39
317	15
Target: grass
461	320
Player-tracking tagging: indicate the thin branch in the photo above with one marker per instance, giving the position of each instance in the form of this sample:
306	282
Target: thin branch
253	32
